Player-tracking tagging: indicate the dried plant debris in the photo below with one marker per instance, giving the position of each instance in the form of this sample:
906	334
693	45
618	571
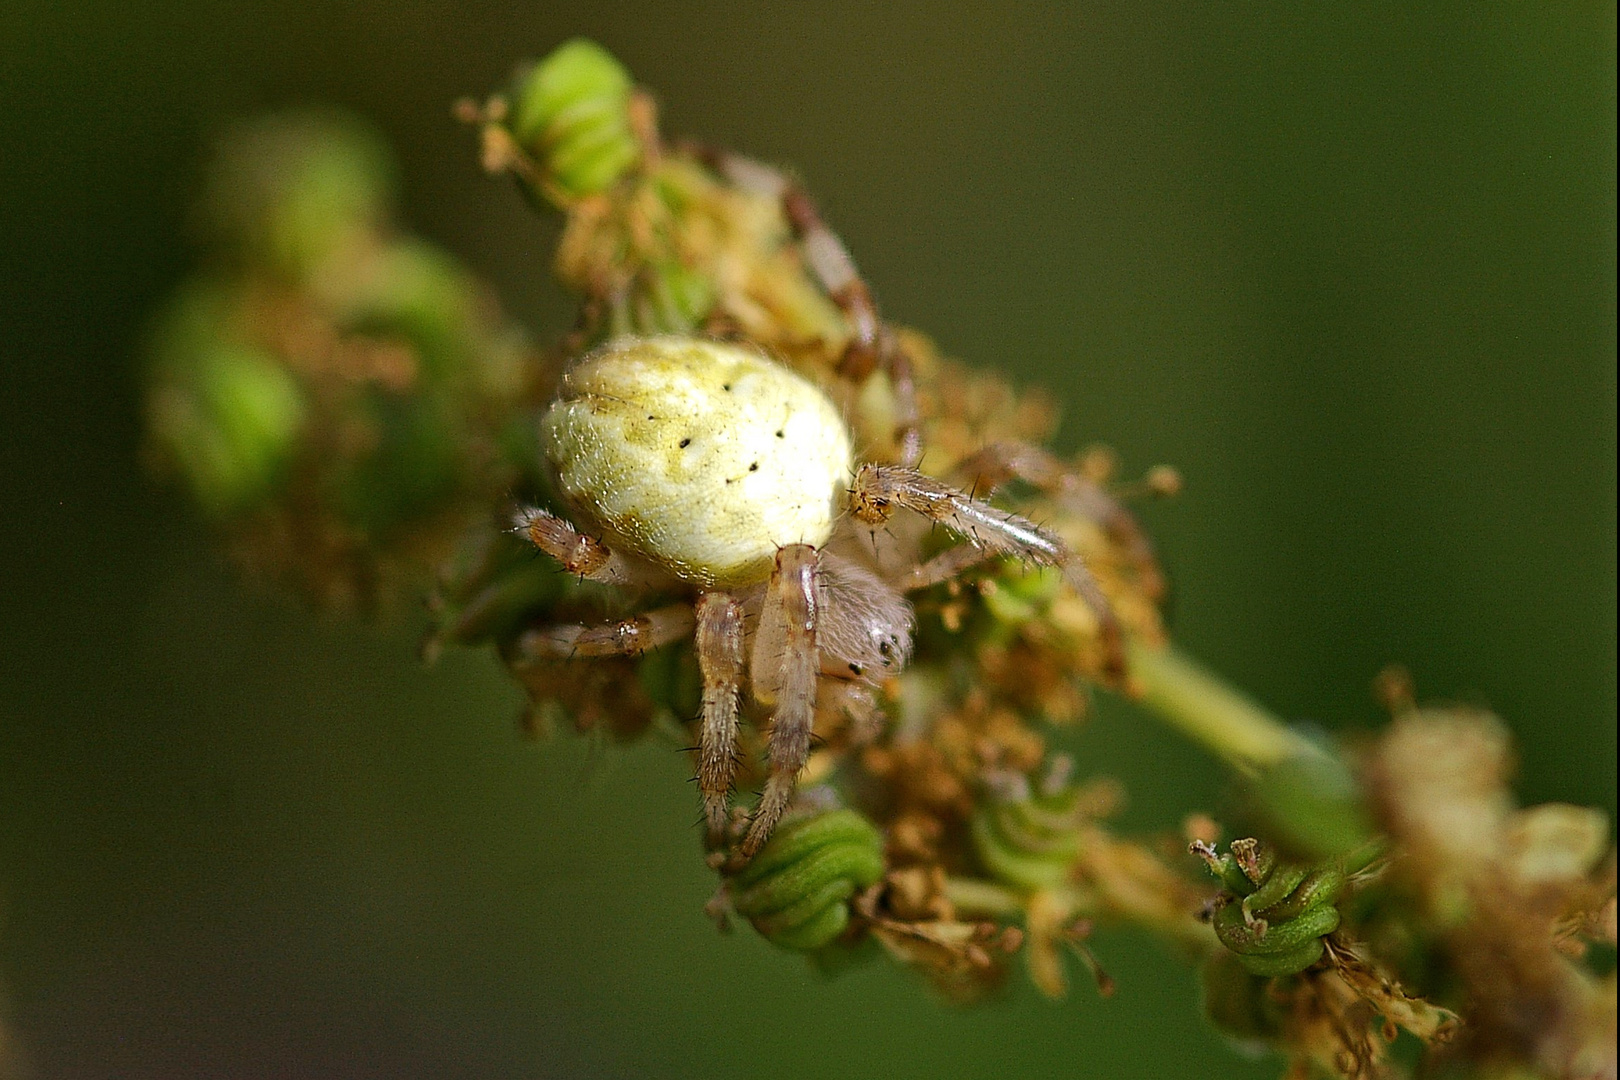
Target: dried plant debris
1513	898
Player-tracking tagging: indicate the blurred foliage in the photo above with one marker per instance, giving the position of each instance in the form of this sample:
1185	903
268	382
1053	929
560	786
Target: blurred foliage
339	397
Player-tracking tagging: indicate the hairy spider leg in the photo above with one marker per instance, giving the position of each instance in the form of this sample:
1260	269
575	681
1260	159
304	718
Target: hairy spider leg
943	567
622	637
581	555
998	463
871	343
720	658
878	489
783	670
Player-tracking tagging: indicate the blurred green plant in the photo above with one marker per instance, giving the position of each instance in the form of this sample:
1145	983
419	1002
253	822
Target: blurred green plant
353	413
343	400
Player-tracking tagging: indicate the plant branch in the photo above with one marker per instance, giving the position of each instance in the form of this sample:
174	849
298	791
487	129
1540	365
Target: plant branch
1199	704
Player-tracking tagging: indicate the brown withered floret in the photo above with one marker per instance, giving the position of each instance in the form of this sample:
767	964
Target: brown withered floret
1508	893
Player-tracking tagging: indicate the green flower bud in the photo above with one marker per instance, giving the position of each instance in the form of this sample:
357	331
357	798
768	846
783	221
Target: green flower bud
1029	840
287	192
440	376
571	113
673	299
796	891
410	466
1022	593
349	397
1277	913
1286	947
225	414
416	292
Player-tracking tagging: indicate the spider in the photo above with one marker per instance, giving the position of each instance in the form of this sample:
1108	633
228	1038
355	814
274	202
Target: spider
705	470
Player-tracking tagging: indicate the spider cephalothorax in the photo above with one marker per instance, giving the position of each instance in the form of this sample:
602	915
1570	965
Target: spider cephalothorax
708	473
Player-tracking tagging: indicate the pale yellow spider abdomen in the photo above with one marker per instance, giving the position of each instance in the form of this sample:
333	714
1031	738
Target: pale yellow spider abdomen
699	456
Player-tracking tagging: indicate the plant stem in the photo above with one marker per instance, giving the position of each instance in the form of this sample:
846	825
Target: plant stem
1199	704
981	898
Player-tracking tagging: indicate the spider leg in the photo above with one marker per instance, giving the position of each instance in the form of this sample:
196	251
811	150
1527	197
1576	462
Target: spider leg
783	672
1000	462
942	567
871	343
878	489
624	637
720	657
579	554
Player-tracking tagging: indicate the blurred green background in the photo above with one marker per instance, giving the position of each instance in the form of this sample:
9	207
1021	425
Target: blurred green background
1352	268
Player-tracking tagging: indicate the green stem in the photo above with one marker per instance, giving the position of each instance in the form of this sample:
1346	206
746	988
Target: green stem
981	899
1195	701
976	899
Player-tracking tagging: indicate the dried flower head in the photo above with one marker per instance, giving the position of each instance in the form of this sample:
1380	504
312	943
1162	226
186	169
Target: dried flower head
1511	897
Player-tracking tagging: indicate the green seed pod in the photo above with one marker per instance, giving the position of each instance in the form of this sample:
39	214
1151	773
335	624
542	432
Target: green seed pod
288	191
671	299
224	413
1276	913
1029	840
571	113
796	891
